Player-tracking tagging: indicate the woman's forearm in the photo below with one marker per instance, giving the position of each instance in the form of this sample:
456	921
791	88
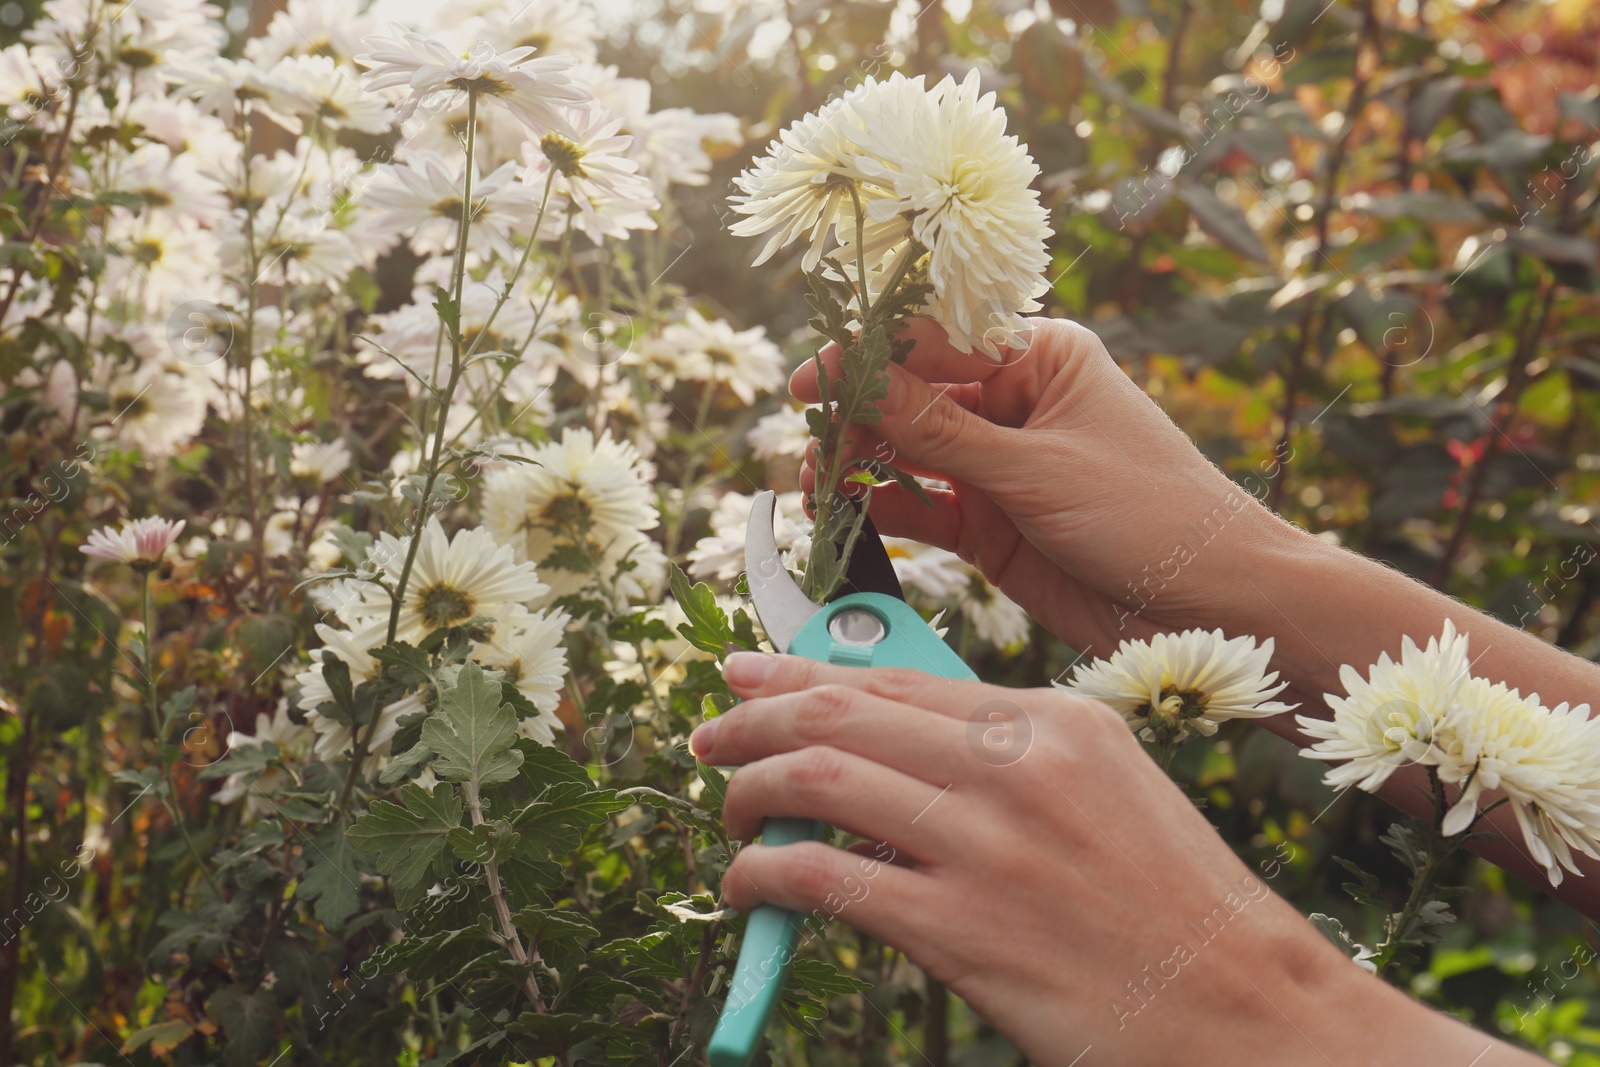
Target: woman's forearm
1325	606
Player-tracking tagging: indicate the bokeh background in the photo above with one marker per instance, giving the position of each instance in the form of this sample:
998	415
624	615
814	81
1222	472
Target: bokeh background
1353	248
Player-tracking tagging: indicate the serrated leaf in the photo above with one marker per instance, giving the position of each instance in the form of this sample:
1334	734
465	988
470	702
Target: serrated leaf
707	628
333	880
557	821
474	733
406	838
247	1020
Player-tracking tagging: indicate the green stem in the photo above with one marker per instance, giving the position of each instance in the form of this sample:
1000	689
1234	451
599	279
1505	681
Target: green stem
430	462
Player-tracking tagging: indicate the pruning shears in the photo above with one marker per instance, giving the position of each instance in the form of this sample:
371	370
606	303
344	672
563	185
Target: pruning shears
867	624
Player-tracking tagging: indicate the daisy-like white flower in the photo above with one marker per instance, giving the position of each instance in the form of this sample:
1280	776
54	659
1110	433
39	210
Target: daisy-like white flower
1172	683
320	461
332	28
710	350
670	144
327	94
719	555
550	28
453	581
536	90
1546	761
527	646
784	434
168	183
24	92
228	88
162	261
1388	719
291	739
583	492
594	180
424	199
140	543
154	411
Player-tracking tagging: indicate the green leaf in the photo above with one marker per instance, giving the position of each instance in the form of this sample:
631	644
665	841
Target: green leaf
557	822
822	980
406	664
332	881
162	1038
1224	221
474	732
247	1020
707	628
716	788
406	838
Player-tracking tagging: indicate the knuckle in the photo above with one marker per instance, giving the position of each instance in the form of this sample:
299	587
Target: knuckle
899	684
822	712
814	770
944	421
809	870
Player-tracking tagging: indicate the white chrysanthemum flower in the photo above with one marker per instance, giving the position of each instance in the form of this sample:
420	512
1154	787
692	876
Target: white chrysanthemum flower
160	261
167	183
582	493
784	434
534	90
424	199
550	28
326	94
801	187
154	411
710	350
719	555
670	144
231	88
995	617
453	581
966	185
1171	683
595	182
332	28
927	573
1388	719
409	335
527	646
930	165
321	461
334	739
291	739
140	542
24	91
1546	761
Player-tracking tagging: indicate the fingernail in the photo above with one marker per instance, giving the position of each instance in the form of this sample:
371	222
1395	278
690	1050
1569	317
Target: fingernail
897	391
746	670
704	736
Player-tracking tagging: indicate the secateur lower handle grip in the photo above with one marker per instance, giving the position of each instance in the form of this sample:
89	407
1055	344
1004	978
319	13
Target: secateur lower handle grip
770	939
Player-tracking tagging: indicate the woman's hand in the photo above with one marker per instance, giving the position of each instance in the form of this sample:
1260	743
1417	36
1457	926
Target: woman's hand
1046	871
1072	491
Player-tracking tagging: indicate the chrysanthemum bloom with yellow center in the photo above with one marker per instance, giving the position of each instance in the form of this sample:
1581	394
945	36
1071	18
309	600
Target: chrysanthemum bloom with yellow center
454	581
1174	683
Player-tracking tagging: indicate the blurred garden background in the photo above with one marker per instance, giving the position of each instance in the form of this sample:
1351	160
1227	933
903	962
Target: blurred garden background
1352	247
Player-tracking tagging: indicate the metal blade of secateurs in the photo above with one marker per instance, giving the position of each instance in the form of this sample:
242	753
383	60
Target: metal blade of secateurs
870	570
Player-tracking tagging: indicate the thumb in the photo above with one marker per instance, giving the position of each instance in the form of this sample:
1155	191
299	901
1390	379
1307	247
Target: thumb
931	426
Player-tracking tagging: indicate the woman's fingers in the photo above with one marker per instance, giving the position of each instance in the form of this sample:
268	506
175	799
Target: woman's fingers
840	788
907	739
761	674
878	897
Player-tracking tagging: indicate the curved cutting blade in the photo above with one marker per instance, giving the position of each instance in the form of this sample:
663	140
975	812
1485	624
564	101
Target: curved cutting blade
780	604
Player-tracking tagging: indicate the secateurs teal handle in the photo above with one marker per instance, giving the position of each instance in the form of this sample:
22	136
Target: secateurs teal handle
860	629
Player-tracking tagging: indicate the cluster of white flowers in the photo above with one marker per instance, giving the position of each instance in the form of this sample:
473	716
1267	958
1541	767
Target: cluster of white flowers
196	216
936	175
1174	683
1429	710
